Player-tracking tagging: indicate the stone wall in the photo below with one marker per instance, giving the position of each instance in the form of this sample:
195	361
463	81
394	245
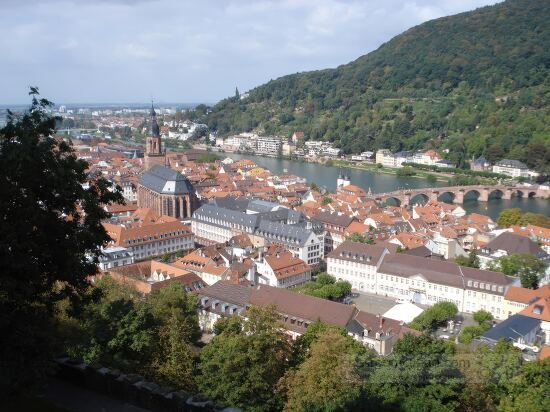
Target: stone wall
133	389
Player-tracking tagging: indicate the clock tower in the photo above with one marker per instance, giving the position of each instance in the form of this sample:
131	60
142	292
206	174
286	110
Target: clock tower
154	153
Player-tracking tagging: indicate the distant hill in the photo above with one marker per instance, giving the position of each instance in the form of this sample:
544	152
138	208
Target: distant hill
475	83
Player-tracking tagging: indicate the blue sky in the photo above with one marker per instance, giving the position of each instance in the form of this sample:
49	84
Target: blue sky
188	51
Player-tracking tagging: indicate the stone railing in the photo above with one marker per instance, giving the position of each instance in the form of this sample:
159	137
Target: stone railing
134	389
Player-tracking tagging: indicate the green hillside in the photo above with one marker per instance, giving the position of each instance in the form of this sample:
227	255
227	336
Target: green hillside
475	83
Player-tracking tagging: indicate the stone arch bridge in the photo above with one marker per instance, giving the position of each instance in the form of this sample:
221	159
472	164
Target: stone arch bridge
404	197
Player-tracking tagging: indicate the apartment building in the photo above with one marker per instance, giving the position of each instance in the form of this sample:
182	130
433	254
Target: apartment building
417	279
153	236
297	312
357	263
427	281
280	268
220	221
335	225
268	145
513	168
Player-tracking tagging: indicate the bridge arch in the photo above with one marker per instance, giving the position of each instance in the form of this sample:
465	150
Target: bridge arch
421	198
472	194
496	194
517	193
392	201
446	196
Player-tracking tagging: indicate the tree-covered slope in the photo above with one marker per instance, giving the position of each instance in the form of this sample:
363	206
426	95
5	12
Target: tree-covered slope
476	83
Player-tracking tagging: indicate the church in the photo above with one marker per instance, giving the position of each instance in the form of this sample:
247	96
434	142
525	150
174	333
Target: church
160	188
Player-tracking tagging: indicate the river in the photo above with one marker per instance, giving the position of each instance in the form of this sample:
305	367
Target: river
381	182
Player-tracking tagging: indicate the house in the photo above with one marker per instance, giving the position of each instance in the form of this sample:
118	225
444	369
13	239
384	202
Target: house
428	281
152	275
519	329
480	165
540	309
264	222
297	312
335	225
113	257
146	234
281	269
356	263
508	243
517	298
513	168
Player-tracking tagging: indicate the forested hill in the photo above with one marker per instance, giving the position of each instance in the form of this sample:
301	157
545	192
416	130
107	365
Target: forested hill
476	83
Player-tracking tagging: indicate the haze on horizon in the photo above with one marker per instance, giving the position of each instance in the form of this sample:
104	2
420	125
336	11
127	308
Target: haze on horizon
119	51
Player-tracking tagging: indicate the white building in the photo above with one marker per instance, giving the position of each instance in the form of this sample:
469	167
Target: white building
419	280
268	145
514	168
356	263
113	257
282	270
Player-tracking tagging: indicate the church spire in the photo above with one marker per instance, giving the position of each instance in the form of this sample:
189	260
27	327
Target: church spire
154	131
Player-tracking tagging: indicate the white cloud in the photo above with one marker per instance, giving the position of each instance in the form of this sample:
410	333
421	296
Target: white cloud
176	50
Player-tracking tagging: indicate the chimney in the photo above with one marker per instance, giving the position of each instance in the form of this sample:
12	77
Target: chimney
381	321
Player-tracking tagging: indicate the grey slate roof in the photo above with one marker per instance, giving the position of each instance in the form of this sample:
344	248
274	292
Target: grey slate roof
230	202
512	163
513	243
358	252
334	218
157	177
441	272
514	327
225	215
228	292
282	233
261	206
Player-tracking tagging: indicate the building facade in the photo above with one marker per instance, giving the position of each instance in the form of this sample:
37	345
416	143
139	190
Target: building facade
167	192
418	279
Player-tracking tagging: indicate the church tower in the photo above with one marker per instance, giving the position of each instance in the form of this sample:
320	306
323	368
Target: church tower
154	153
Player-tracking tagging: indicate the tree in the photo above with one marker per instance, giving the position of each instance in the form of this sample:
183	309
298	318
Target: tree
328	379
242	368
171	301
527	267
469	333
482	316
327	200
472	260
509	217
421	374
487	372
51	237
325	287
360	238
528	391
175	362
116	329
434	315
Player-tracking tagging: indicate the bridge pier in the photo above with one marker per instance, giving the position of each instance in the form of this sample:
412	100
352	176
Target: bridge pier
434	195
459	197
507	194
406	201
483	195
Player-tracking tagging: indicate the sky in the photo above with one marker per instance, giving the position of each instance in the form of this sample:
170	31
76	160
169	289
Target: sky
130	51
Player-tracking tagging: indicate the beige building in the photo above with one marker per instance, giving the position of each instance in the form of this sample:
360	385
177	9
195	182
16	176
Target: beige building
419	280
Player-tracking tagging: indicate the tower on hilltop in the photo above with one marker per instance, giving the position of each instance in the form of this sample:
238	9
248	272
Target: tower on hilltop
154	153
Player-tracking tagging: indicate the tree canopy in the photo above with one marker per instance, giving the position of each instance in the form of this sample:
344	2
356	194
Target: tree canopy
527	267
51	236
474	83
